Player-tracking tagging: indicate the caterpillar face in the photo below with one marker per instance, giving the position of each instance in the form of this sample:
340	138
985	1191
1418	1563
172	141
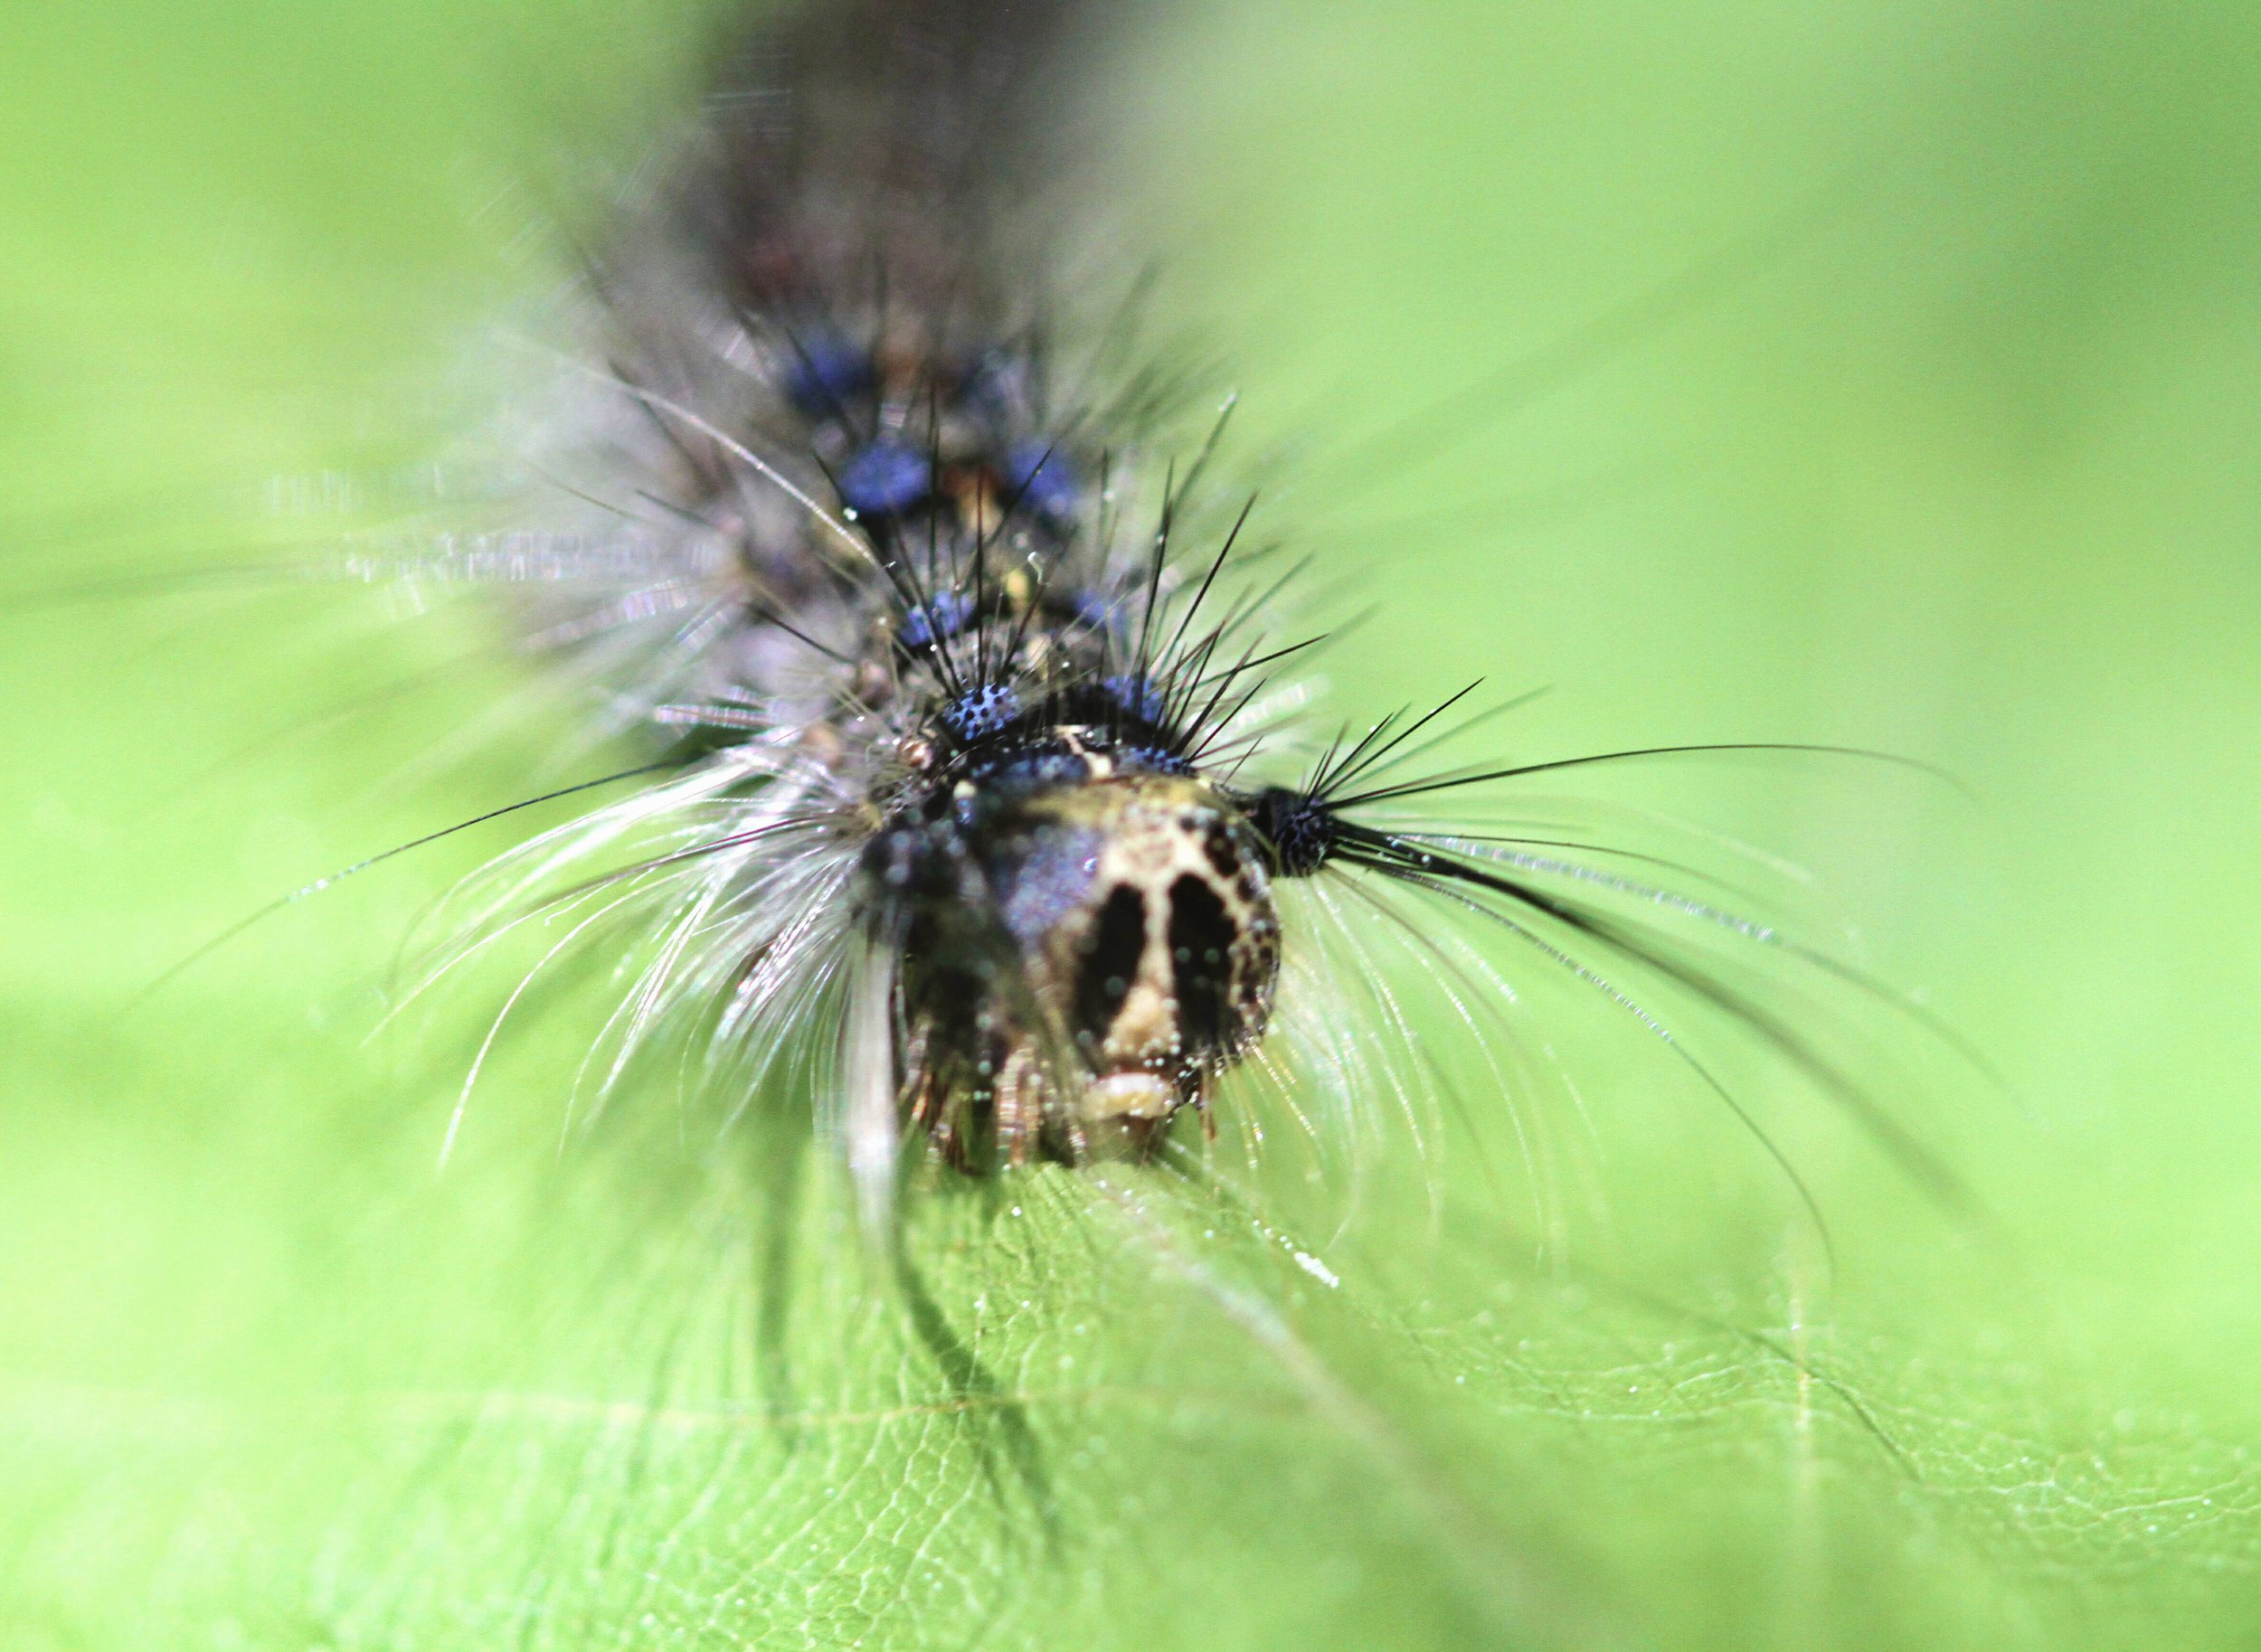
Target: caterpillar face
1087	939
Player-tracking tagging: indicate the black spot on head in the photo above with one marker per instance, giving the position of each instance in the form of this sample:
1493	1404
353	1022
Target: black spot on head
1201	937
1109	963
1223	854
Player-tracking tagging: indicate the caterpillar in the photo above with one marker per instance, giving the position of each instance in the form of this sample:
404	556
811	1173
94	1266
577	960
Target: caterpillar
977	804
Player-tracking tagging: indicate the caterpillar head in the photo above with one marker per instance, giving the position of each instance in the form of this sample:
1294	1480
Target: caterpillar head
1087	937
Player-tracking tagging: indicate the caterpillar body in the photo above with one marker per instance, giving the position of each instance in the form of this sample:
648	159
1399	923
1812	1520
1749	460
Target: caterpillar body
959	681
883	596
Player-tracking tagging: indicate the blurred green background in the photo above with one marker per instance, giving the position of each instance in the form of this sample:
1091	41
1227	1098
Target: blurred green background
1963	466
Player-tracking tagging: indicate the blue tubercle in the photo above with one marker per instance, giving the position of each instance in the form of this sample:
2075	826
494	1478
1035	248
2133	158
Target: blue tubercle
996	386
1041	478
981	711
942	617
828	372
1153	759
1139	697
885	479
1031	773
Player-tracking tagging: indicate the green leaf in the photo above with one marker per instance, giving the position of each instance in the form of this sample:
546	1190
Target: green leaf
1965	473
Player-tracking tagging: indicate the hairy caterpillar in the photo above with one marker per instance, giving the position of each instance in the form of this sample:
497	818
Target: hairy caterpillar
978	807
930	820
1856	647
